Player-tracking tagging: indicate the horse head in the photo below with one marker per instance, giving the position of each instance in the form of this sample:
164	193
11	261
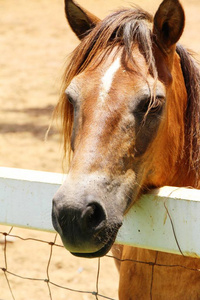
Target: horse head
122	110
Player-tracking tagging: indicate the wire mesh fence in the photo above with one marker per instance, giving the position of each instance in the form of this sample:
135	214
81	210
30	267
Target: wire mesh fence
35	264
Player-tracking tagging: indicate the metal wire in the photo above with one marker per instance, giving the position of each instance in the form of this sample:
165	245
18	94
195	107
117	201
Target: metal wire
5	269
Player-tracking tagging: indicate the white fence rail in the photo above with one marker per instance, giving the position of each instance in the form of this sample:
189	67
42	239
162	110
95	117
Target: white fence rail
167	219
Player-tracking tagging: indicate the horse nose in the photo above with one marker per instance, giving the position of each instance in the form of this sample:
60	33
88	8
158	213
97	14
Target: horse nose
79	223
93	217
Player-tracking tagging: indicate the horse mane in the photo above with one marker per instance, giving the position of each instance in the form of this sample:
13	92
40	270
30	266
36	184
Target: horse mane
123	29
191	74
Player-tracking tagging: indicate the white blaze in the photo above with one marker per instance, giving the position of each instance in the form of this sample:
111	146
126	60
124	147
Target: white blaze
107	79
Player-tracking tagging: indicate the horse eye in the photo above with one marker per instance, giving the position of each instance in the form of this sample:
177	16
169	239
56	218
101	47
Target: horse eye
156	104
153	105
70	99
71	94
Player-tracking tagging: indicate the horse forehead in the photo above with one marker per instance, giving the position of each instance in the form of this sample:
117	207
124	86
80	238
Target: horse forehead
97	81
109	76
107	79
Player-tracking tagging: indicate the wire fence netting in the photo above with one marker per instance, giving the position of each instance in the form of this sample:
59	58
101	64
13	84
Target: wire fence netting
35	265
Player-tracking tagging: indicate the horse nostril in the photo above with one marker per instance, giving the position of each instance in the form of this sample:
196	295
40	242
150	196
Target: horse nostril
93	217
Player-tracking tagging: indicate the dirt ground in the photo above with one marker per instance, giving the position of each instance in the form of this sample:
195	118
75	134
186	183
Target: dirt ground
34	44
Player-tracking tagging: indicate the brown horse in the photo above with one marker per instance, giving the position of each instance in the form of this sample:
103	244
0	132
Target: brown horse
130	110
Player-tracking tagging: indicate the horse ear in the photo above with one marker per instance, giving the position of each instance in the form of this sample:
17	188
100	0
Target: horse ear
169	23
80	20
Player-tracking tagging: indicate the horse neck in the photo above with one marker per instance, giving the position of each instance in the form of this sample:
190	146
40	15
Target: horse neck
182	170
171	153
184	176
189	165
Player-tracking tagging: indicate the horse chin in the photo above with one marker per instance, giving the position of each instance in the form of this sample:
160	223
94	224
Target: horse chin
101	252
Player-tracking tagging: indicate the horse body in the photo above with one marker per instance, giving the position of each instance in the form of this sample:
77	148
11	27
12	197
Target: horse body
159	281
132	120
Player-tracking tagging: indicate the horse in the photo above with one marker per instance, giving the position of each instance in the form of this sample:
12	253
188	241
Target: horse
130	107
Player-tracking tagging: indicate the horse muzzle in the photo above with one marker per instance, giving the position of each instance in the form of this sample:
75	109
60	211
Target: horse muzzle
87	226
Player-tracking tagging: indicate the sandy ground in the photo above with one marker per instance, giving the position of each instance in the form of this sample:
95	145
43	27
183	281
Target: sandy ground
34	44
